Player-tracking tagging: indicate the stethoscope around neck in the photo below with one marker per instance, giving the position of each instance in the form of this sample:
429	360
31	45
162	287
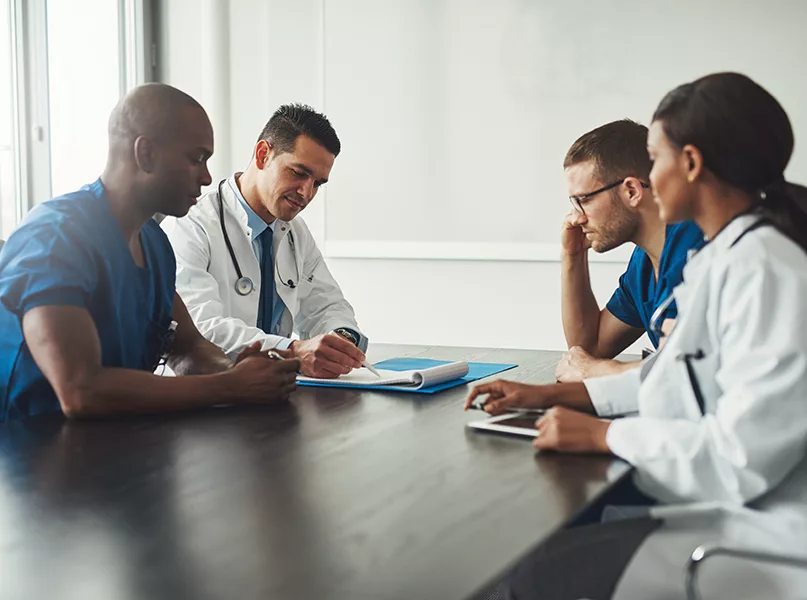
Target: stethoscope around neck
655	322
244	285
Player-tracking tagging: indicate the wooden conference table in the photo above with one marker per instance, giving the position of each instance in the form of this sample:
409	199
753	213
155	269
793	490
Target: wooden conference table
340	494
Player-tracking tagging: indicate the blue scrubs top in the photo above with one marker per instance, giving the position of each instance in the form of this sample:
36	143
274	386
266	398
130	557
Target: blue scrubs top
70	251
639	294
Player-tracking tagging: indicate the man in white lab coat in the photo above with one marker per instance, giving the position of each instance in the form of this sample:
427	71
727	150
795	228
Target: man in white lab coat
249	269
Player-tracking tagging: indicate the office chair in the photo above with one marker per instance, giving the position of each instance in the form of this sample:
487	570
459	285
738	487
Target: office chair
701	553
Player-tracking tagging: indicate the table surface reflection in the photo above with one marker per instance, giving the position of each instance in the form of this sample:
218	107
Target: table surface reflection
337	494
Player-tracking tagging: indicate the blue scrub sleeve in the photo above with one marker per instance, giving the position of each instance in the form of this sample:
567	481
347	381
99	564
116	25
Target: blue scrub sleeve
46	264
622	306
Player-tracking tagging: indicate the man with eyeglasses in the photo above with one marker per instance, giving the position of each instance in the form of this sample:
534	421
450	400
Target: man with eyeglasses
607	174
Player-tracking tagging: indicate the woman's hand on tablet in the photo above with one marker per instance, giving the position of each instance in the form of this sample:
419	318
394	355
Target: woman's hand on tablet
504	396
567	430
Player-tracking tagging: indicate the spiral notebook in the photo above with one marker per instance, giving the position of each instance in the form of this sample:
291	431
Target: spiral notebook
414	379
437	375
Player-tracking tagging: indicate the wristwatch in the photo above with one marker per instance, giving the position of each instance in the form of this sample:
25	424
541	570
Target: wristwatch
356	338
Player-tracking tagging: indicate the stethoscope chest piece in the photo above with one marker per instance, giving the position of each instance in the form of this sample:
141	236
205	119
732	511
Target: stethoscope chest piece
244	286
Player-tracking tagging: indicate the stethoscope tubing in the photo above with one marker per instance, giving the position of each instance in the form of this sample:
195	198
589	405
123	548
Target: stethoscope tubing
244	285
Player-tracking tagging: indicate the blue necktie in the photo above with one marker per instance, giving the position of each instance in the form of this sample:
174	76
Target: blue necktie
267	281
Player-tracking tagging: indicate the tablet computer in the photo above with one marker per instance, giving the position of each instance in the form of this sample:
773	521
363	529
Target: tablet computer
514	423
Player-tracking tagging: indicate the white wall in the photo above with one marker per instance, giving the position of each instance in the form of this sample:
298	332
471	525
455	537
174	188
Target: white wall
398	230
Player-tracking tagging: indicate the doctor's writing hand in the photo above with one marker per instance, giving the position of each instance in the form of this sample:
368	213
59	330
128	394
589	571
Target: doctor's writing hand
567	430
504	396
572	239
258	379
327	355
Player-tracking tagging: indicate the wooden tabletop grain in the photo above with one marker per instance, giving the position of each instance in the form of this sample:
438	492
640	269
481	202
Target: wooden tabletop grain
339	494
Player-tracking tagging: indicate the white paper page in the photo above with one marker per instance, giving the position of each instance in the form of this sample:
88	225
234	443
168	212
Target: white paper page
365	377
416	378
441	373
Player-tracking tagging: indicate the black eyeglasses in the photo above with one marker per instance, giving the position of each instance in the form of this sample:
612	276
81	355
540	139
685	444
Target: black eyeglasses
577	201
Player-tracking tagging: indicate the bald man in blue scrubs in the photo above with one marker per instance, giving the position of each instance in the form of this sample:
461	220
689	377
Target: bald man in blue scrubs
88	305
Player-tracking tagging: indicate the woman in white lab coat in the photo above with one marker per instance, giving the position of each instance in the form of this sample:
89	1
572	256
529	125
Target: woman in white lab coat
716	421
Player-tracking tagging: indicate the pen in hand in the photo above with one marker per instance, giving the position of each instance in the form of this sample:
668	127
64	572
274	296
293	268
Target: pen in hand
276	356
365	363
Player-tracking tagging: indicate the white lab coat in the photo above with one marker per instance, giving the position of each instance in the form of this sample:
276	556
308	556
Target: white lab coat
206	277
737	475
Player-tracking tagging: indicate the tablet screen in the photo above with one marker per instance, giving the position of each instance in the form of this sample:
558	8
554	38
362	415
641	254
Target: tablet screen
512	424
521	421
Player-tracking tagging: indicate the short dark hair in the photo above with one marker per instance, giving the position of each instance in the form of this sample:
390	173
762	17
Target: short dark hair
746	140
290	121
618	150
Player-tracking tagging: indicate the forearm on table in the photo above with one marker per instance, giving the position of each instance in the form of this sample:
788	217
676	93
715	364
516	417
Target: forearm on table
571	395
201	358
113	391
611	367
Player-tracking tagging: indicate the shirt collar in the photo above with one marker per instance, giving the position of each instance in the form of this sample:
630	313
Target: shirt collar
726	237
254	222
96	188
720	243
733	230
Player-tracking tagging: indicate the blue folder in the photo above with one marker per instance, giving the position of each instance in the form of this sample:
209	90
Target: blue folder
476	371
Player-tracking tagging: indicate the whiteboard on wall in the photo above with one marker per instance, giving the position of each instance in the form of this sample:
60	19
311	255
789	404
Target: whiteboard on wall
455	115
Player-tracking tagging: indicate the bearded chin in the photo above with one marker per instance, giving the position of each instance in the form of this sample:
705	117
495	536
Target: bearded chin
606	245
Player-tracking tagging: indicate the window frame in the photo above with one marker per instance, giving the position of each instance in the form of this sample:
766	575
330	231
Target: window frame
30	89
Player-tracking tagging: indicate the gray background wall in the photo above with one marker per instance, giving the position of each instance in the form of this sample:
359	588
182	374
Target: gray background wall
442	214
